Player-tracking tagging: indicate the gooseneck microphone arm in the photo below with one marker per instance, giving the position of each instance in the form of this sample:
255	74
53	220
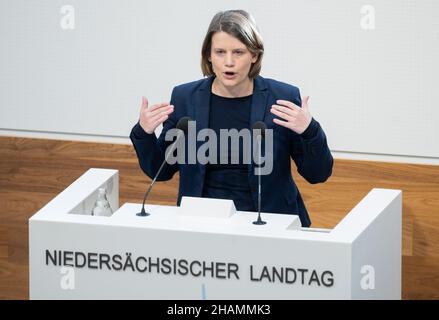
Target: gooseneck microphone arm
183	126
143	212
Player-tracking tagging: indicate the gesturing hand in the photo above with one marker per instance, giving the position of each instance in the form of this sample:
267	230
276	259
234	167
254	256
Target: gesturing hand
296	118
151	118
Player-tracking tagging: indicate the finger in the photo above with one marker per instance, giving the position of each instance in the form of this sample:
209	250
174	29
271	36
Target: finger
283	109
281	114
281	123
288	104
162	109
161	114
305	102
160	120
159	105
144	103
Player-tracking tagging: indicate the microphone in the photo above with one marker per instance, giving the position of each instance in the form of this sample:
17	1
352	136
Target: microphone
182	124
261	127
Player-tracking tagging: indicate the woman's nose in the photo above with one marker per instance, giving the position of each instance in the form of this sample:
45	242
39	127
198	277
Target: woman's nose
229	61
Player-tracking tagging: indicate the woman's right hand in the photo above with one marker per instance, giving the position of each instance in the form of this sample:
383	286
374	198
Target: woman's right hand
151	118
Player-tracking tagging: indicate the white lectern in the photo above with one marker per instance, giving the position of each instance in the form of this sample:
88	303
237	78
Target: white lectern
205	249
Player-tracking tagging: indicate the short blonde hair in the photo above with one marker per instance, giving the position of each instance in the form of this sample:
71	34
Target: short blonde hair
241	25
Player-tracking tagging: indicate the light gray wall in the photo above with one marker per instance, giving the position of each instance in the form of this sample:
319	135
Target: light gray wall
373	91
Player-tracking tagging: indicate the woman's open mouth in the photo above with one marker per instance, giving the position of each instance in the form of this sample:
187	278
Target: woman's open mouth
229	74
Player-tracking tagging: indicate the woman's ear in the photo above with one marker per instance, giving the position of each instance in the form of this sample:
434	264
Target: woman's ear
255	57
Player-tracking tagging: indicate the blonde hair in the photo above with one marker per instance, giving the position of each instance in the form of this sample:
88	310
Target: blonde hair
241	25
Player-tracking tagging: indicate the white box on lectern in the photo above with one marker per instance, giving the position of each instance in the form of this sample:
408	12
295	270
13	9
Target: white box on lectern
207	207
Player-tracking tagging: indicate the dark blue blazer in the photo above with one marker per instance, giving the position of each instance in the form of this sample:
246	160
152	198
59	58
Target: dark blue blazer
280	194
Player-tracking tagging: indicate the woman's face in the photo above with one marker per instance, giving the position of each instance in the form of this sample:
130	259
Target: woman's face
231	60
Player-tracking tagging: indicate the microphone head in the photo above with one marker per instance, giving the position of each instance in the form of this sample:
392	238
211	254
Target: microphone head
259	125
183	124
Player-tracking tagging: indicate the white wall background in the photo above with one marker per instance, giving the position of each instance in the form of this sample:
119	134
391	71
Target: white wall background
373	91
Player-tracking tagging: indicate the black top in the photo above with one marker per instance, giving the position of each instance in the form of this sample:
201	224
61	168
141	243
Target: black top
229	181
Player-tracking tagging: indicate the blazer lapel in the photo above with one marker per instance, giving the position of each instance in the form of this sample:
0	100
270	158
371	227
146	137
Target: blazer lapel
259	101
202	104
258	108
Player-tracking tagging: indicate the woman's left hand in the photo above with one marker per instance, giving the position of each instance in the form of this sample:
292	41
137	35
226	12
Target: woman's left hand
296	118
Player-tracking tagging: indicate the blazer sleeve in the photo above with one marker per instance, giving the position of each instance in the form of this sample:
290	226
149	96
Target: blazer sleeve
151	150
310	150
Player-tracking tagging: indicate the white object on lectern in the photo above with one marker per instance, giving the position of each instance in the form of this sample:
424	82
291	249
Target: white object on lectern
102	206
207	207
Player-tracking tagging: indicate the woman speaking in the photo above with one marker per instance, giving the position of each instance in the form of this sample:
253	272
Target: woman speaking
234	96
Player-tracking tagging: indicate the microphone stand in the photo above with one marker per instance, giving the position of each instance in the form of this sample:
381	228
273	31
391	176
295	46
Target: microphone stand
143	212
259	221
